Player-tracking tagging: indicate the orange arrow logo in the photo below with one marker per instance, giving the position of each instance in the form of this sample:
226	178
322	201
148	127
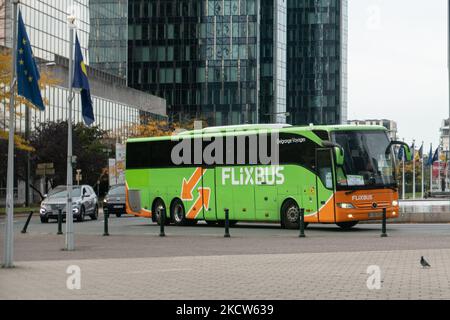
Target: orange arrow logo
202	201
188	186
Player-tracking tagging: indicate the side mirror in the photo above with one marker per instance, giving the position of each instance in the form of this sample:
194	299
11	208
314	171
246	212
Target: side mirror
339	153
406	149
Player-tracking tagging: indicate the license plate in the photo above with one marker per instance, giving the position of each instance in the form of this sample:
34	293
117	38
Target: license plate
118	207
374	215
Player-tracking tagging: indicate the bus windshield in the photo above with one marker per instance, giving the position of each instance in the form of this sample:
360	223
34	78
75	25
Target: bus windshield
366	163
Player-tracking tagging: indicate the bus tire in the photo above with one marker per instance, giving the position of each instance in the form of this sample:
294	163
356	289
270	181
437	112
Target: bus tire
178	213
347	225
158	204
290	214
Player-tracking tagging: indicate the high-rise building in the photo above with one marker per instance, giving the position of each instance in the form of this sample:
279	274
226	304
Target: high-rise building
242	61
108	36
102	32
445	135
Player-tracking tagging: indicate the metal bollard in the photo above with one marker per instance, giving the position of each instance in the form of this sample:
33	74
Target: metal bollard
383	225
302	223
162	222
24	230
227	224
105	226
59	222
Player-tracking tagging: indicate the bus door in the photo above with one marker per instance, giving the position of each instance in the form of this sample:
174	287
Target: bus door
325	185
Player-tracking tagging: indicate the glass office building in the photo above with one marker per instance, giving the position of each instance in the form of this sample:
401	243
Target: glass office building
108	45
102	31
201	56
242	61
317	61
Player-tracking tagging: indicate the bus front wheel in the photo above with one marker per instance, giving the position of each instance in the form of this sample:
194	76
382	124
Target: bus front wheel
347	225
290	214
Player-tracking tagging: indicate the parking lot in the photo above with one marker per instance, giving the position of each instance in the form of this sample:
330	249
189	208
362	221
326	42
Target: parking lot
259	261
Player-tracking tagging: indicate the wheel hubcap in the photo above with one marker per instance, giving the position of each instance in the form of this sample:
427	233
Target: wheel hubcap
292	214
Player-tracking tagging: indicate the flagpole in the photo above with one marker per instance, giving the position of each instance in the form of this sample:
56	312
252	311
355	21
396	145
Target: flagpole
403	177
414	169
439	171
431	173
9	225
423	173
70	243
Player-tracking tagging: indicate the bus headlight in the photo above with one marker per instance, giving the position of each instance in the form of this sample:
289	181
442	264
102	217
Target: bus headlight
345	206
394	203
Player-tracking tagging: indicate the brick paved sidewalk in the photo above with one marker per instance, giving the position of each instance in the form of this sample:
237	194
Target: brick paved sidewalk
338	275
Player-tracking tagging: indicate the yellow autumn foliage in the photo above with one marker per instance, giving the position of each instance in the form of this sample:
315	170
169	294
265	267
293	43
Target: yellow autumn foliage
46	79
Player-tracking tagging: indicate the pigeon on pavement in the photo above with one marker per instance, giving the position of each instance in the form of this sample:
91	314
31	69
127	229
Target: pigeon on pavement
424	263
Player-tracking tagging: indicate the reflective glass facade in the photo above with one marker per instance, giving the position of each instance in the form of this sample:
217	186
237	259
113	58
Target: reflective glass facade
201	56
242	61
115	117
108	45
317	61
102	31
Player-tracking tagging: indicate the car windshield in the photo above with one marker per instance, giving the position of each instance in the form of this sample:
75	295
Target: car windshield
366	163
61	192
117	190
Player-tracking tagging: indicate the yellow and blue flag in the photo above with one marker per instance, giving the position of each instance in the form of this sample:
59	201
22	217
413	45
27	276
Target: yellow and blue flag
80	80
27	71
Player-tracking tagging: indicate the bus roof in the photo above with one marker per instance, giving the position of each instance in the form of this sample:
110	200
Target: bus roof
245	129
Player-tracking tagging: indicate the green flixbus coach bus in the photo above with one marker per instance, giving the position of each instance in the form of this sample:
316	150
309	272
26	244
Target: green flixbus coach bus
339	174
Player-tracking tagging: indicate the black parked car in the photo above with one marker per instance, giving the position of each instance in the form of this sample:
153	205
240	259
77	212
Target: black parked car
114	202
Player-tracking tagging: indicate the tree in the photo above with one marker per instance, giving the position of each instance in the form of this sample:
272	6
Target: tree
157	128
49	141
47	79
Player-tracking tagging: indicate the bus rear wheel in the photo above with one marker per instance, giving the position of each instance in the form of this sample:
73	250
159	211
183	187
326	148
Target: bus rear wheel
178	214
347	225
158	207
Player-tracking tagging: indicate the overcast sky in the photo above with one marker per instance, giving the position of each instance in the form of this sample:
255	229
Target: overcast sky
397	64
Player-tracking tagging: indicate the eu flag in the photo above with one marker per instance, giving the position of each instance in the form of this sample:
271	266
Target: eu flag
430	156
27	72
436	155
401	154
80	80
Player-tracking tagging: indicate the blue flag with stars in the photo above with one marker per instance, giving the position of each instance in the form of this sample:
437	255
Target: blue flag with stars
27	72
80	80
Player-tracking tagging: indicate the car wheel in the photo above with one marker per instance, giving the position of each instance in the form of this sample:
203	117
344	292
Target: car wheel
290	214
118	215
94	216
44	220
80	217
347	225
